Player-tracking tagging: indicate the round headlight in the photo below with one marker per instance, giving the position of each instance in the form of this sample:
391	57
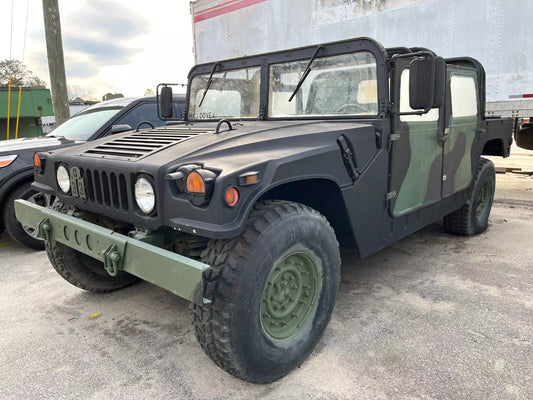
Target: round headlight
63	179
144	195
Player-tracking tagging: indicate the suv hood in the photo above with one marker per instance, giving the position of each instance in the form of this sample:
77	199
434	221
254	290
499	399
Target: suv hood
14	145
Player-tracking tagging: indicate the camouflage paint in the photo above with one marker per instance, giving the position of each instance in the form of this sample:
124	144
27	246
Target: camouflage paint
458	166
421	183
458	154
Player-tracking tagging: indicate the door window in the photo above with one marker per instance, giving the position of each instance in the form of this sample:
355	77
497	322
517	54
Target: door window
464	96
143	112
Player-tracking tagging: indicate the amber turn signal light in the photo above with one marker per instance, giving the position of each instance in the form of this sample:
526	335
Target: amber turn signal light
195	183
37	160
232	196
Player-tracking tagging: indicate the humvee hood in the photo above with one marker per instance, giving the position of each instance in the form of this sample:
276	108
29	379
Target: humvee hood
199	141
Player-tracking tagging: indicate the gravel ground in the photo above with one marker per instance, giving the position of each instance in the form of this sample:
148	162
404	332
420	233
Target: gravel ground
433	316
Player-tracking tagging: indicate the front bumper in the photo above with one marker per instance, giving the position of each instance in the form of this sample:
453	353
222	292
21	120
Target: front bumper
178	274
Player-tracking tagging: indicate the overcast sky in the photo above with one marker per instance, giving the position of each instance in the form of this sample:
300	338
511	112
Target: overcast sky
123	46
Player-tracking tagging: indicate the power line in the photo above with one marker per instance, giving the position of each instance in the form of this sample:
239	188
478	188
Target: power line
25	30
11	35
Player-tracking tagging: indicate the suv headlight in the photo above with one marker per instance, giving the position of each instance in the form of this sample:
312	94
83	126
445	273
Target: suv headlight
144	195
63	179
6	160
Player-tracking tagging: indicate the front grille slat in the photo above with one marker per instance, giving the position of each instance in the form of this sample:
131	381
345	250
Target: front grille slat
123	192
97	187
138	145
107	189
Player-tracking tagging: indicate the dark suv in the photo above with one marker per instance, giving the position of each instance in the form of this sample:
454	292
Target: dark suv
99	120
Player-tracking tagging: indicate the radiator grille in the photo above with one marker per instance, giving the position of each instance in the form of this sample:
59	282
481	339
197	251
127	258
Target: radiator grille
107	189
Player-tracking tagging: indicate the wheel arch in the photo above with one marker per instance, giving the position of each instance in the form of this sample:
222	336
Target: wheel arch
321	194
494	147
11	184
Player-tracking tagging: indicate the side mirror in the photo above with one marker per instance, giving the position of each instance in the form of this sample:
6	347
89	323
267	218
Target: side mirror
426	83
120	128
165	102
524	137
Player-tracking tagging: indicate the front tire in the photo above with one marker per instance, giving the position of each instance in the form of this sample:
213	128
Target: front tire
81	270
85	272
272	292
473	217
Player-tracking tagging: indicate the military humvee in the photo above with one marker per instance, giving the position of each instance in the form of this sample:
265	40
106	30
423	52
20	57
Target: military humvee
241	206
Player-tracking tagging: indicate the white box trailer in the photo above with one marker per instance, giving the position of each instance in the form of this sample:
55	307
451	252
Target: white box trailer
496	32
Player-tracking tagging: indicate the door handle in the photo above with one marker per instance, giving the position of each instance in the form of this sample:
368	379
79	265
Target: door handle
444	135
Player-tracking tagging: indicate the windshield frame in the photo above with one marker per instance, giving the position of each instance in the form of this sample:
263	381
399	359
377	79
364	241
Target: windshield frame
264	61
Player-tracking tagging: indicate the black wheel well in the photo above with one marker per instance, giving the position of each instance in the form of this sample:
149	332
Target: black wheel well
494	147
7	193
322	195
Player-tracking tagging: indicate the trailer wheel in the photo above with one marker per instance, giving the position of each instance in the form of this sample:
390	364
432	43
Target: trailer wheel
473	217
272	292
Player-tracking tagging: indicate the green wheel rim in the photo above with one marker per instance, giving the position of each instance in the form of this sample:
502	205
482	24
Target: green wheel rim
483	200
291	293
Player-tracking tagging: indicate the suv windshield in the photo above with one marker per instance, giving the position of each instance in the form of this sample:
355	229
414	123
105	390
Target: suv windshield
231	94
84	124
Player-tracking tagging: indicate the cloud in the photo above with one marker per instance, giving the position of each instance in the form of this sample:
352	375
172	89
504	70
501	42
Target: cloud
113	45
99	51
81	70
98	34
106	19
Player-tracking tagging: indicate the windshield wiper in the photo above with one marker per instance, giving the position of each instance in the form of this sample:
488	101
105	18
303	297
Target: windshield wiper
208	83
306	72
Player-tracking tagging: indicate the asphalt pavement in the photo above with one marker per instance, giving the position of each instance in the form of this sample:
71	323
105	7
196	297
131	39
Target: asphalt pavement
433	316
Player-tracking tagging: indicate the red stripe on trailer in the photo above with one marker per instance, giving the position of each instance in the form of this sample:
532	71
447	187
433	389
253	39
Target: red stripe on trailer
224	8
527	96
215	7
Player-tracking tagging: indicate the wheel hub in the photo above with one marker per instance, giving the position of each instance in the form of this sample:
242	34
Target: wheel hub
483	199
43	200
290	296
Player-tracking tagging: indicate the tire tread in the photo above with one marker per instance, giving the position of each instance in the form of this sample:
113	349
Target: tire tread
225	256
459	221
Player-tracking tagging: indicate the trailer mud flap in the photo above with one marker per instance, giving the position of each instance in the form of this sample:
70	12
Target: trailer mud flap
178	274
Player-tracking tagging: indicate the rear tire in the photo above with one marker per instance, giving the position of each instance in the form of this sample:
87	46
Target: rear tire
473	217
24	235
272	292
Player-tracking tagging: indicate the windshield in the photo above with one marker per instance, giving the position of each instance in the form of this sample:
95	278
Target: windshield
336	85
84	124
231	94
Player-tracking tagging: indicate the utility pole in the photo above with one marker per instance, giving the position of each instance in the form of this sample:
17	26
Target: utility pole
56	63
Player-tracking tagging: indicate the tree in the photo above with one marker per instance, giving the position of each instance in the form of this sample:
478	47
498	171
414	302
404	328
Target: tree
20	75
74	91
109	96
